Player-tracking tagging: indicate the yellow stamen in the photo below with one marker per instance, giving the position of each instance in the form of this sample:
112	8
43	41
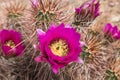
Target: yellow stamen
59	47
10	44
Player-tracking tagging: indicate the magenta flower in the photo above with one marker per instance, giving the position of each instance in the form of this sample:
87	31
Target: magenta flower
86	13
90	7
59	46
11	43
112	31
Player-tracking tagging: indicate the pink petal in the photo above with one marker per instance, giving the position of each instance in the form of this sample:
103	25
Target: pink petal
117	35
40	32
77	10
35	2
55	70
68	26
80	61
82	43
107	28
38	59
53	26
114	30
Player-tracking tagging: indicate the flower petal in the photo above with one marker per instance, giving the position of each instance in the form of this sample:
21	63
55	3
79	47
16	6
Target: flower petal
77	10
96	11
117	36
34	3
54	69
40	32
15	36
68	26
79	60
107	28
19	50
82	43
114	30
38	59
4	36
8	51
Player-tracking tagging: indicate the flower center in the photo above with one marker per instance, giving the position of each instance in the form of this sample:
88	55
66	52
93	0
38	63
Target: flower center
10	44
59	47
